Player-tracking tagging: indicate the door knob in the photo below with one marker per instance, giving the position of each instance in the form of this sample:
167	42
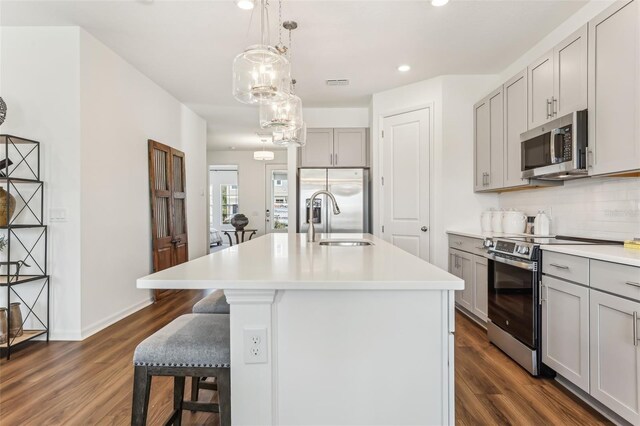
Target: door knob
424	229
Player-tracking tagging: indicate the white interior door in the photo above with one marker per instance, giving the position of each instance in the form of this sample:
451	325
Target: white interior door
277	197
405	186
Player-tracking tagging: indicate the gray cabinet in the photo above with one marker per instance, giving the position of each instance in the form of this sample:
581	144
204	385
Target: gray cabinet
540	77
614	89
488	142
344	147
565	329
318	152
515	123
461	265
350	147
480	287
473	269
570	74
558	80
615	358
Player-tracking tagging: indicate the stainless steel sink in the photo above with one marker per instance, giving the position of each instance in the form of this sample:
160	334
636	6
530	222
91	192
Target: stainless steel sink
345	243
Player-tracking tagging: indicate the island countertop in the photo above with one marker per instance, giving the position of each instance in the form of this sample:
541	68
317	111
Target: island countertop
288	262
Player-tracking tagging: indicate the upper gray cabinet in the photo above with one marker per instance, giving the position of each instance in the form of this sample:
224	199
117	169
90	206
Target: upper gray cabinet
540	75
558	80
318	151
350	147
488	142
515	123
614	89
570	74
345	147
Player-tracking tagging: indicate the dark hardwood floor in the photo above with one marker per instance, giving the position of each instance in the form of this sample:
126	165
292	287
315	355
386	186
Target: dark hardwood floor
89	382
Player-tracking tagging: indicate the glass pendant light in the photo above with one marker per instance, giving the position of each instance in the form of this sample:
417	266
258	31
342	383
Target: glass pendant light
263	155
260	73
287	113
297	137
282	115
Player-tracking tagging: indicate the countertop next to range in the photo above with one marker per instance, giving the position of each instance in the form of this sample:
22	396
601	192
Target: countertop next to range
613	253
289	262
607	253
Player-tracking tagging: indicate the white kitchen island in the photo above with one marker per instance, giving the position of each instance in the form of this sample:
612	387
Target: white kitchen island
354	335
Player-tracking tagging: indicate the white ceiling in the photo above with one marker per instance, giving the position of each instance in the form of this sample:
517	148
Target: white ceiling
188	47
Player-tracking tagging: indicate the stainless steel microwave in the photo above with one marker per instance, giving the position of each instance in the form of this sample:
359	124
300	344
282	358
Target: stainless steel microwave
556	150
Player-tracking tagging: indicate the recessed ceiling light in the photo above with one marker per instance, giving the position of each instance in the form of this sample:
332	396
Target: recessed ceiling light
245	4
439	2
404	68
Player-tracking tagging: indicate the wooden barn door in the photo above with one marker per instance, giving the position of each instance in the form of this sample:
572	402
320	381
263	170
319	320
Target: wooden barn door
170	244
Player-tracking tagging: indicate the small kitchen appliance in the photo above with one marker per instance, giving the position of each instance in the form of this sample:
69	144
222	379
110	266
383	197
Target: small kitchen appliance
556	150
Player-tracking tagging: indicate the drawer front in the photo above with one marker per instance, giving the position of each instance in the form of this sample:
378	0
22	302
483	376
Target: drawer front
614	278
566	266
468	244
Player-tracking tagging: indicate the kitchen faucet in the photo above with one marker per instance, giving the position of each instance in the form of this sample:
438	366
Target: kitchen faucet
311	232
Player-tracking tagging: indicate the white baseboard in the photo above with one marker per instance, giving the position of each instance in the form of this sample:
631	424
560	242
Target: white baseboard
65	335
106	322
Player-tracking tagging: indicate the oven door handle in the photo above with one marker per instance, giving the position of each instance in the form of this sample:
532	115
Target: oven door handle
529	266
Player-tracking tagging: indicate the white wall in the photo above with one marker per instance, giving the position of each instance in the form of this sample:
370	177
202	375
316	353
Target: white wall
39	80
93	113
121	110
336	117
251	182
453	203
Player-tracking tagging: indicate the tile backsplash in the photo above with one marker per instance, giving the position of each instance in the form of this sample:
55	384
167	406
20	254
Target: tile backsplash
593	207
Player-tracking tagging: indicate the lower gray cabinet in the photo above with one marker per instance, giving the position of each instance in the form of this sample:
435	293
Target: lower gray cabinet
615	358
461	265
480	287
565	330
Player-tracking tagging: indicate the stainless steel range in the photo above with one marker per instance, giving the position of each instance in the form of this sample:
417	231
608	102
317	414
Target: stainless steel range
514	295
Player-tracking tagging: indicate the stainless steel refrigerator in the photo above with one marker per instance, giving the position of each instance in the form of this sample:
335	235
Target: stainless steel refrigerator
351	190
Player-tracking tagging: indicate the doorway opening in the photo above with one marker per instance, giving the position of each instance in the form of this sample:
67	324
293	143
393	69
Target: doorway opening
223	203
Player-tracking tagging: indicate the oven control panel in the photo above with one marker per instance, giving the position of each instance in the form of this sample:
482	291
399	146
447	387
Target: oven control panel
512	248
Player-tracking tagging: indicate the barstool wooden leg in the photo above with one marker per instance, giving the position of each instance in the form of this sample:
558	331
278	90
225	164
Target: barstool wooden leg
141	390
223	380
178	397
195	388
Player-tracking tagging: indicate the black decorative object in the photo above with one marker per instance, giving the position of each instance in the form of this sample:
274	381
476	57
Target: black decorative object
239	221
3	110
4	164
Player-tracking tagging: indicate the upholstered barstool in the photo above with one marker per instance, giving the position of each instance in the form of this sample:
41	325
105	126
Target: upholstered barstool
193	345
214	303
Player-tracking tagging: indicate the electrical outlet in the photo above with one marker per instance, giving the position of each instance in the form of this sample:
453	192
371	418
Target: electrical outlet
255	345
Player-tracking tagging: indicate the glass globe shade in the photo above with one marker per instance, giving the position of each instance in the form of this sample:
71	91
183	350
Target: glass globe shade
284	115
261	75
297	137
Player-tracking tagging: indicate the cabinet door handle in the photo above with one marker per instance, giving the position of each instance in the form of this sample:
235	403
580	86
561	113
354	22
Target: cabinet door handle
548	108
632	283
335	163
559	266
331	159
590	158
541	299
488	179
635	328
555	106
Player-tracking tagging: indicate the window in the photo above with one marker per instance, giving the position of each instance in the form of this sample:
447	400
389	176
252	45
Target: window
228	202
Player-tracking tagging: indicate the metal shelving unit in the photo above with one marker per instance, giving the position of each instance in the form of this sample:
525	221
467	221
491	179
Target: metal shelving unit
23	263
